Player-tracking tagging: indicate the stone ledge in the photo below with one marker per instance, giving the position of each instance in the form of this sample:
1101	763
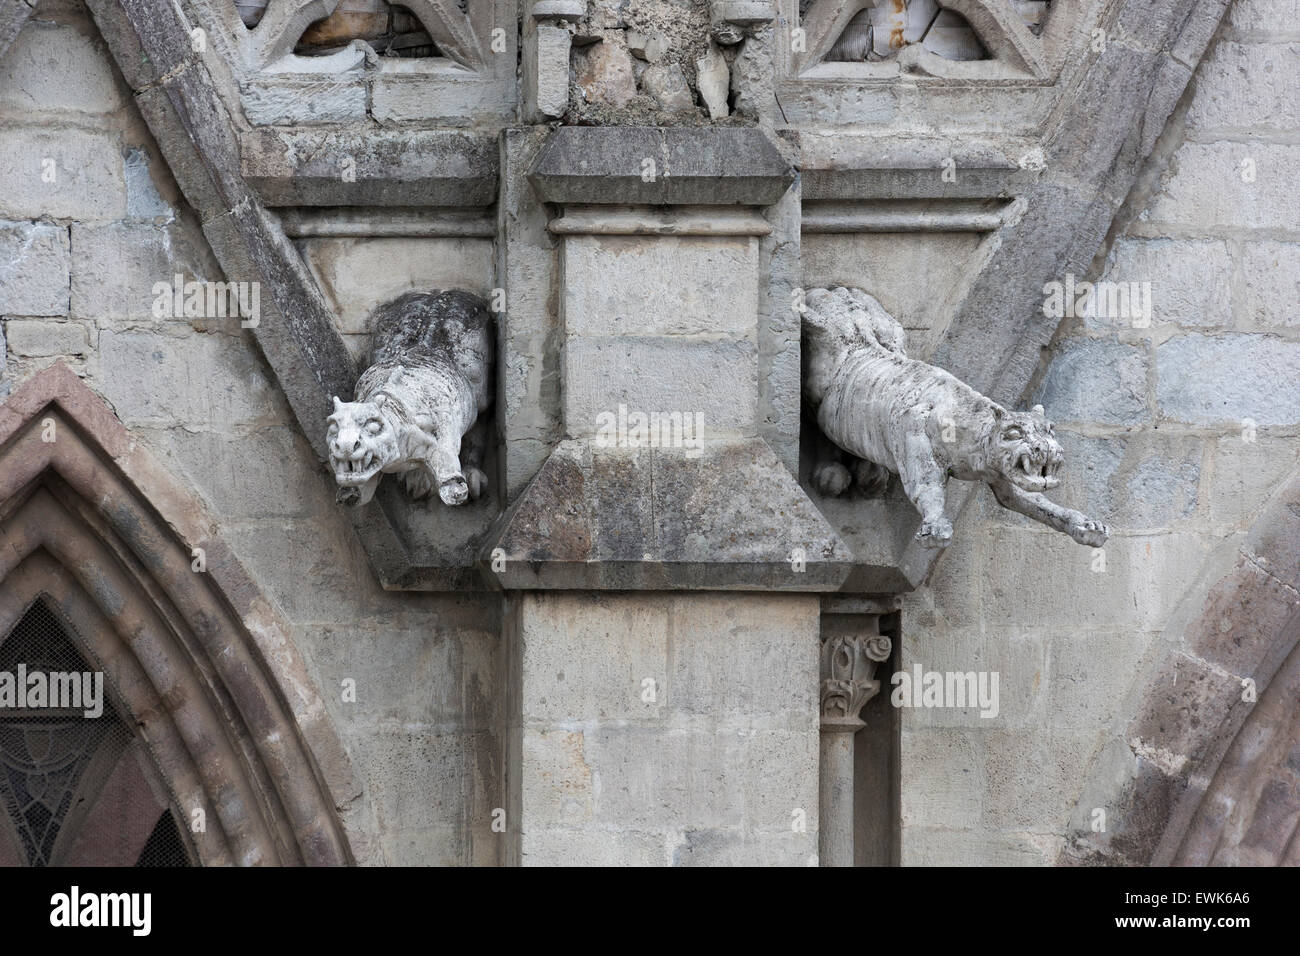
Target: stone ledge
385	167
656	519
693	165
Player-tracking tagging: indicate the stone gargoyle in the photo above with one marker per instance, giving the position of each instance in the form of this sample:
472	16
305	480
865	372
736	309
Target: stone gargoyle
891	413
418	406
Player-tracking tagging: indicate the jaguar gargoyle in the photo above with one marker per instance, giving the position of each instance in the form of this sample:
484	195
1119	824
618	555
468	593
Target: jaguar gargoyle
888	411
419	406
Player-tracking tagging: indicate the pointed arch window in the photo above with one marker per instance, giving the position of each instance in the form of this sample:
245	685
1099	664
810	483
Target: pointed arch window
77	787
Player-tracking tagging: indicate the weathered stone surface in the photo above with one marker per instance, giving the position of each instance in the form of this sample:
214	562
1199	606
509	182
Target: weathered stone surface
715	382
1247	473
713	79
689	285
1208	188
1271	279
34	265
604	74
638	708
199	379
1228	378
83	83
1189	282
304	101
667	84
142	198
1095	380
390	168
61	174
41	337
357	275
116	266
1252	86
660	519
552	70
690	165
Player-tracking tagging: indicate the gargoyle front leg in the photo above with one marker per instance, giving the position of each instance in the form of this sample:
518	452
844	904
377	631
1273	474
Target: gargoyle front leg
472	449
923	482
1077	525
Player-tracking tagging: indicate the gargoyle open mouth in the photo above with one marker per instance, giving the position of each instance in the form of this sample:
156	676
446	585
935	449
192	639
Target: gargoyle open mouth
350	472
1036	472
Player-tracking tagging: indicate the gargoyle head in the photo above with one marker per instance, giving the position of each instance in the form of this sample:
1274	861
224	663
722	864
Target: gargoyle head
362	439
1023	448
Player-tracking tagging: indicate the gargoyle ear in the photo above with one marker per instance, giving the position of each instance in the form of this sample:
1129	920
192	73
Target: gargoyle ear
1038	411
337	403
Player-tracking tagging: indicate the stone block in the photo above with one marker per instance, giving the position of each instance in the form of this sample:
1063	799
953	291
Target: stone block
1089	676
566	679
667	285
116	266
1246	474
1218	186
943	778
1204	379
716	381
1041	572
944	847
1033	780
358	275
1095	380
35	338
552	70
83	82
34	265
205	381
1248	86
1189	283
63	173
1270	274
304	101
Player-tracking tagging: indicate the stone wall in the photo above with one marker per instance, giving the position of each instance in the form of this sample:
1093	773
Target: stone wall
454	705
79	256
1177	434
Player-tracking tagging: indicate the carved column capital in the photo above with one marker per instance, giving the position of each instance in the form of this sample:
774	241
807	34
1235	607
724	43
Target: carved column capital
848	678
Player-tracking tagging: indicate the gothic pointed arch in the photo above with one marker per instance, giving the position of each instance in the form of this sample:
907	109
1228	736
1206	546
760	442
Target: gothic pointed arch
195	658
1209	751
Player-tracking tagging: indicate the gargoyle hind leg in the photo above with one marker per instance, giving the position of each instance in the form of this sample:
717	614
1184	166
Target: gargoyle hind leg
829	476
1077	525
472	448
923	481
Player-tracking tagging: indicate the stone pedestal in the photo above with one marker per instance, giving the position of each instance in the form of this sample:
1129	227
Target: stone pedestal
663	565
663	729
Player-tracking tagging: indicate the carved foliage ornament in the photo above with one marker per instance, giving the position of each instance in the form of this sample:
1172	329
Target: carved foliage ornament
921	423
848	677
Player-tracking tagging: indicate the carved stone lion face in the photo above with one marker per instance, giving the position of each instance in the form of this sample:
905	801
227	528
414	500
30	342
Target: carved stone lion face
1024	449
362	440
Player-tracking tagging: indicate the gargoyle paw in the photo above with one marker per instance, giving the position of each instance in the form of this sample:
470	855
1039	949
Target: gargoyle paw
418	483
1089	532
935	534
830	478
454	491
477	482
